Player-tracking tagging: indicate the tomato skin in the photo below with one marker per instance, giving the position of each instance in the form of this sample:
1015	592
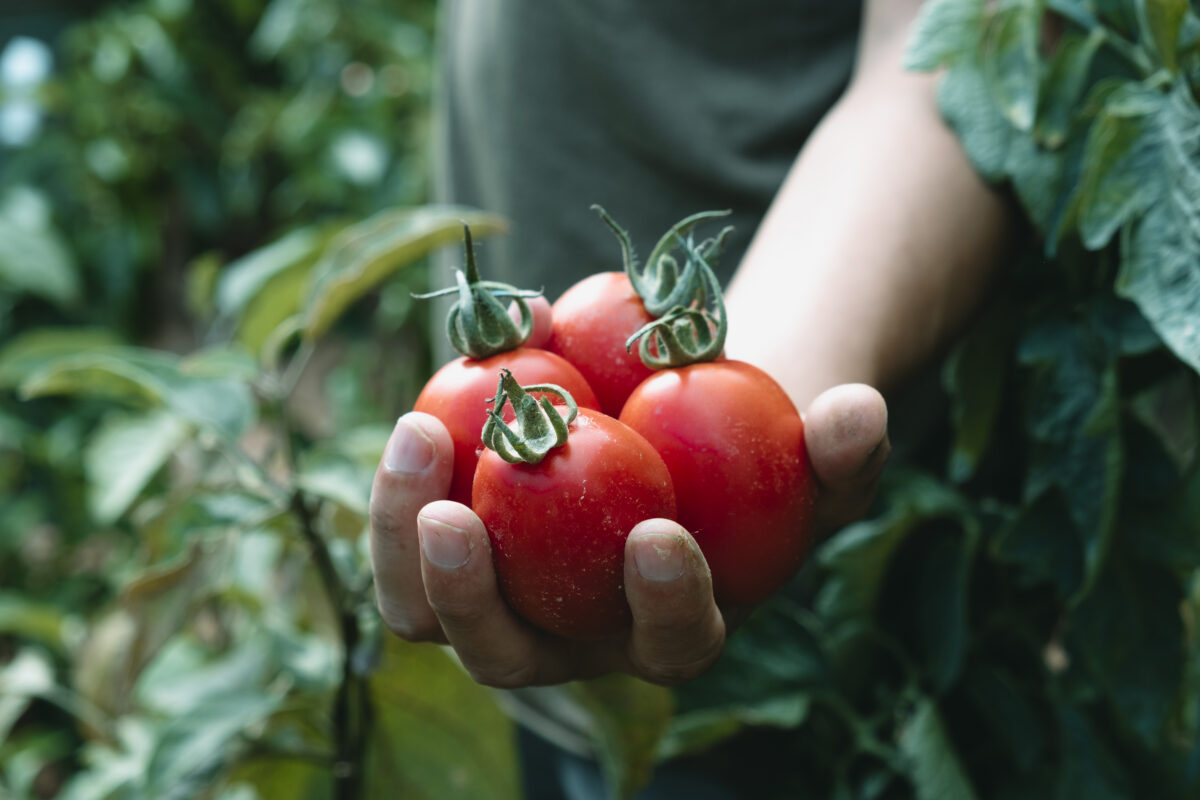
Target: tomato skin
591	322
734	445
558	527
457	394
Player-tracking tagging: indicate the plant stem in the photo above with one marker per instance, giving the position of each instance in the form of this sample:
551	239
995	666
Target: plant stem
350	703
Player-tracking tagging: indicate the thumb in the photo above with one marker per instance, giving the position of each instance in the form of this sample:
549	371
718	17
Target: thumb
845	433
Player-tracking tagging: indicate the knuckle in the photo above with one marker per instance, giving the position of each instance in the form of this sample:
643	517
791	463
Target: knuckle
386	518
409	625
504	676
667	671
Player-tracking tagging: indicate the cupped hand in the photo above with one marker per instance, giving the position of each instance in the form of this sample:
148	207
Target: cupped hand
434	578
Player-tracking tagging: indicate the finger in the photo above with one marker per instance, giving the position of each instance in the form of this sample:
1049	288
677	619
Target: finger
845	433
539	308
415	470
495	646
678	631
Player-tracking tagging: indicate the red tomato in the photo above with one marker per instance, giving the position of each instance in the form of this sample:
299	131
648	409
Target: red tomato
457	394
734	445
591	322
558	527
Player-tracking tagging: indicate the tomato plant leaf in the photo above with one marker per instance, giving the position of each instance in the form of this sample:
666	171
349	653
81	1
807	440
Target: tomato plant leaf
974	375
1129	633
363	255
149	378
1160	268
1010	60
1063	87
936	769
945	31
1122	172
436	733
1162	21
1089	767
924	599
124	455
629	718
1074	424
983	130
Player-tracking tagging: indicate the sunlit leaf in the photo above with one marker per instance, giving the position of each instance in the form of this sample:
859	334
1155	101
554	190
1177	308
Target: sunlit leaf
362	256
436	733
148	378
38	348
1162	21
124	455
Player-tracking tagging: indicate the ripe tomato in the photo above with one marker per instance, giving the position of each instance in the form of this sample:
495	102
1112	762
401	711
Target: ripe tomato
734	445
591	322
458	394
558	527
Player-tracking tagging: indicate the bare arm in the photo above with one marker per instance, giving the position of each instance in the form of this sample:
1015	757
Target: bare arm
881	240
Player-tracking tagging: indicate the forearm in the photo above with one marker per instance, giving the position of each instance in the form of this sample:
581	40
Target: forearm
878	246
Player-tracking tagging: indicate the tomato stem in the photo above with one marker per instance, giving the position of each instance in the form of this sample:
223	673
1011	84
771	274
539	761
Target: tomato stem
663	285
478	324
540	427
687	334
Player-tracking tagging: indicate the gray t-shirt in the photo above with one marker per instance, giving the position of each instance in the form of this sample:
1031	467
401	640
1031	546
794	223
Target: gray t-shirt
654	109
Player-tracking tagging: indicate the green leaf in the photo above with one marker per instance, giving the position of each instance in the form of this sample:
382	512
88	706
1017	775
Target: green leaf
629	718
1129	633
264	289
149	378
974	376
244	279
125	638
965	98
780	646
945	32
192	748
935	768
34	258
183	677
926	595
1162	21
36	349
1074	422
364	255
1004	707
1089	767
1047	545
1123	172
1011	61
1062	89
435	733
858	558
123	455
47	624
1160	257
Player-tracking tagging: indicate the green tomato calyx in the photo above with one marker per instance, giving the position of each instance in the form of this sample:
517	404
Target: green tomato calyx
686	334
663	285
478	324
539	426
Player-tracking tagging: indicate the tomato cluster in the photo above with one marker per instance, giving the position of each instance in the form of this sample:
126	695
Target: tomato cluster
597	440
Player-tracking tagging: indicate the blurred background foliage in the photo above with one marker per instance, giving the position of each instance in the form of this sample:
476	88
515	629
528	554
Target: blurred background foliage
162	631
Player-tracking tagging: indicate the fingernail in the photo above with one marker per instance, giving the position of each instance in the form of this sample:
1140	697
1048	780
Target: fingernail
445	545
658	556
409	450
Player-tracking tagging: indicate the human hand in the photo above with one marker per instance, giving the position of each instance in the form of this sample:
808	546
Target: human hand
435	582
